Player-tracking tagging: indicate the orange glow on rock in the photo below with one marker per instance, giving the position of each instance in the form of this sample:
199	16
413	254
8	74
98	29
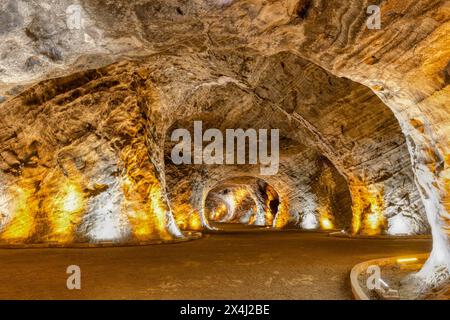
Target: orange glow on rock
268	214
22	223
325	219
218	213
143	202
195	222
65	211
368	210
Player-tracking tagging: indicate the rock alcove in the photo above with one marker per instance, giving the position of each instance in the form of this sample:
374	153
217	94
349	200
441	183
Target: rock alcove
87	109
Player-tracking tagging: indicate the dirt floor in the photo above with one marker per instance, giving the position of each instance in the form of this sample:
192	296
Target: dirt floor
239	263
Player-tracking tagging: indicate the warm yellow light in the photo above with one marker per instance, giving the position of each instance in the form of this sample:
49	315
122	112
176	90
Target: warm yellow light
356	221
268	214
21	224
218	213
73	200
159	211
66	210
367	208
142	226
405	260
194	221
325	219
239	195
373	221
144	203
326	224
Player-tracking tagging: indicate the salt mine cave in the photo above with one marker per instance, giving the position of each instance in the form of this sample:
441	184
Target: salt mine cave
89	104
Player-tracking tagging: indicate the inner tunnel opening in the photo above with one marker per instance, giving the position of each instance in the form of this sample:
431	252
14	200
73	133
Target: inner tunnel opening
245	200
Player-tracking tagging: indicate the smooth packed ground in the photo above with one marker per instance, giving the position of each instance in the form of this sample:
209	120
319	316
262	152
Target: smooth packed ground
239	263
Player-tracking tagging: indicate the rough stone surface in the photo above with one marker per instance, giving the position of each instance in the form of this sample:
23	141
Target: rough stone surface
362	113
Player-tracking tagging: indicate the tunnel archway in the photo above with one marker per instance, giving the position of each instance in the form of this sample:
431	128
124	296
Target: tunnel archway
394	155
371	173
245	199
349	126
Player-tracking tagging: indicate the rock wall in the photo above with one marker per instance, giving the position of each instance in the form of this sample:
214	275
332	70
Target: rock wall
373	102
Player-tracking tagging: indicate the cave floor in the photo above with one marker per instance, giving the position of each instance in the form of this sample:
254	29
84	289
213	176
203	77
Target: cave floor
237	264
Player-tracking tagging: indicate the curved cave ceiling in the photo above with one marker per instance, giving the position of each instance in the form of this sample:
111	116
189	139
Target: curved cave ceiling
87	114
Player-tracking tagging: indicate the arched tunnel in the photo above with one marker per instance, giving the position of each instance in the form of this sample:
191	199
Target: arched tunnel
93	115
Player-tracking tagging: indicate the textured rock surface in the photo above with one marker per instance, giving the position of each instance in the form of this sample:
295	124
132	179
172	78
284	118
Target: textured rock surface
363	114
